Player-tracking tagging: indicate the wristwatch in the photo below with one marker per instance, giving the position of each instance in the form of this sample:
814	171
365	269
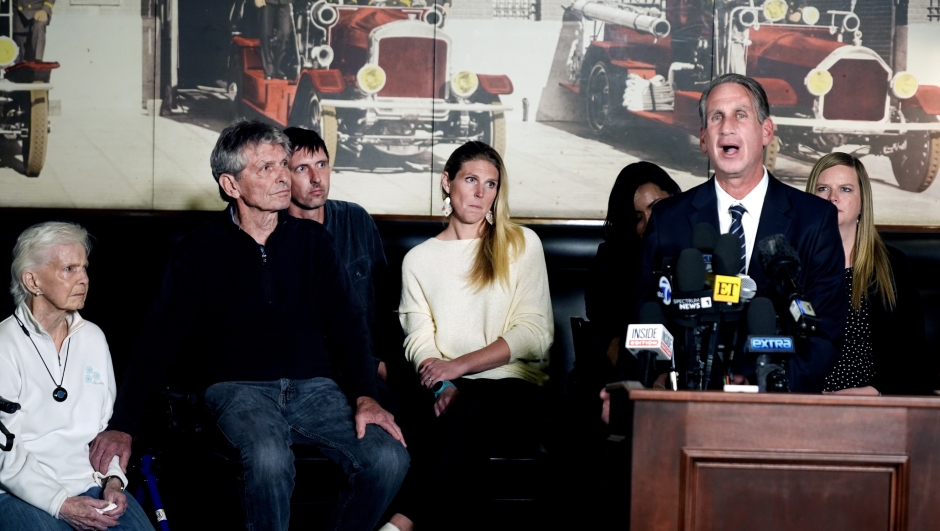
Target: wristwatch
104	482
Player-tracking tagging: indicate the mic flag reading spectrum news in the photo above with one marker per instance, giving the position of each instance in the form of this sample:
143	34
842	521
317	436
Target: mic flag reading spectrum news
781	263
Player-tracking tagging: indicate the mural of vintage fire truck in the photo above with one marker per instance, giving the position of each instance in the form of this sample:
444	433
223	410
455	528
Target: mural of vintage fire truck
374	81
24	99
827	90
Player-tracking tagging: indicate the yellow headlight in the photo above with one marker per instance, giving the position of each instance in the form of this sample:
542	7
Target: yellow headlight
8	51
775	10
810	15
465	84
903	85
818	82
371	78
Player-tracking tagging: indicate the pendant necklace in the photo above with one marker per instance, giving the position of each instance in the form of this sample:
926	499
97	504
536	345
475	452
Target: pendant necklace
59	394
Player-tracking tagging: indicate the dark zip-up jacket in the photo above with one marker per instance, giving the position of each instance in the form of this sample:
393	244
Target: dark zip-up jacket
240	311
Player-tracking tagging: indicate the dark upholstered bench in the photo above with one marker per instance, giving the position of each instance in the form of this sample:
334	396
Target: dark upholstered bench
127	264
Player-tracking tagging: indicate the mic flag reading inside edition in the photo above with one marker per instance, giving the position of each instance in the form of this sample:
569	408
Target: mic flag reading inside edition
651	335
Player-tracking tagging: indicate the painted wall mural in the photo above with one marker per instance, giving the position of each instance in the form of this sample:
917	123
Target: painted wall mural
569	91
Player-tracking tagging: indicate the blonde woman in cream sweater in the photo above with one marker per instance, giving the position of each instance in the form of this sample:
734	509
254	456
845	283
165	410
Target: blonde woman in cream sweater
477	316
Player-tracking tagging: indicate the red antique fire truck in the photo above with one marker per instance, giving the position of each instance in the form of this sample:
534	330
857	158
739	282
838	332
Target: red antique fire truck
826	89
373	78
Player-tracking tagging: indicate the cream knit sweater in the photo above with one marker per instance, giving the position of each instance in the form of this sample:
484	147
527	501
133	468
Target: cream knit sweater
444	318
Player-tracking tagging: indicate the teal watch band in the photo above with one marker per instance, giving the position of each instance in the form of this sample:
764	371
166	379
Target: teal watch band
442	385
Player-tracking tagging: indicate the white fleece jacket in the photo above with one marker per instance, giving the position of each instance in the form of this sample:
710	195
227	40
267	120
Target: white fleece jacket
444	318
49	461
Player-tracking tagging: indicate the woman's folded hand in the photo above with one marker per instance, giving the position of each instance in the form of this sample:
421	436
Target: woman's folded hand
80	512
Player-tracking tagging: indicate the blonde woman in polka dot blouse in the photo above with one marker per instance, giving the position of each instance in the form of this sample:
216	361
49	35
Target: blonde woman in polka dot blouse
883	347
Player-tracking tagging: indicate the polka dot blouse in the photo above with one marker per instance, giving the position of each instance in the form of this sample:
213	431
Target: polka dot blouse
856	367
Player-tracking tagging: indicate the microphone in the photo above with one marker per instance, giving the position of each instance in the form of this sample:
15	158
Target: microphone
773	351
650	341
691	294
704	239
781	263
733	286
651	335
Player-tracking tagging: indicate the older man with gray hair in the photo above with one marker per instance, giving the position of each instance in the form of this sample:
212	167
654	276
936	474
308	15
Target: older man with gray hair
259	302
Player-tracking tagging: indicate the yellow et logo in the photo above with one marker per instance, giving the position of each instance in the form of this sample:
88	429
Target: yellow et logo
727	289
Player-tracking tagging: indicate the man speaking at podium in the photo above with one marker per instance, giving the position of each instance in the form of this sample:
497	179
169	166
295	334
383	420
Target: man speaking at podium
745	200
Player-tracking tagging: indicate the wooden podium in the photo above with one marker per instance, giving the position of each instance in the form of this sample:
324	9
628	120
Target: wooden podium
718	461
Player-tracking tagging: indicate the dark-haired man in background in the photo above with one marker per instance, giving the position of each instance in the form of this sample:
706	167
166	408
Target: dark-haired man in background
357	242
744	199
267	316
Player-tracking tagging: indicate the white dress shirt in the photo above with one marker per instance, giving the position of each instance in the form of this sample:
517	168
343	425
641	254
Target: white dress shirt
753	202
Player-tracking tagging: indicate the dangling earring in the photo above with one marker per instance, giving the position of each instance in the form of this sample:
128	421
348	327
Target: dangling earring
489	217
859	220
447	209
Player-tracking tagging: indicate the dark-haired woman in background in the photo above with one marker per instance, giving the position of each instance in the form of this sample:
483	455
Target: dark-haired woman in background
884	345
609	296
610	300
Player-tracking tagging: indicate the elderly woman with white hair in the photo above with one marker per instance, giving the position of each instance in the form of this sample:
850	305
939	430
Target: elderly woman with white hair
58	368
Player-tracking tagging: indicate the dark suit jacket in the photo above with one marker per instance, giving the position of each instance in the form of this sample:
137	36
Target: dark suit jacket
898	336
809	223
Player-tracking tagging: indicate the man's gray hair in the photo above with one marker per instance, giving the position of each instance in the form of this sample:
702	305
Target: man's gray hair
229	155
758	96
29	253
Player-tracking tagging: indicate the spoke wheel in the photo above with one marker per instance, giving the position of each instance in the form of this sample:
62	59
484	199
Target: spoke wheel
34	145
603	96
770	154
915	166
493	125
309	114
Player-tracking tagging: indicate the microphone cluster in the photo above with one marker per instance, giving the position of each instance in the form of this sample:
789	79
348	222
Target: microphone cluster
712	311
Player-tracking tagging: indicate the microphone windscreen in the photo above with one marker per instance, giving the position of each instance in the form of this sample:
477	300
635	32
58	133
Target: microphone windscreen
748	287
690	271
761	317
651	313
704	237
726	260
775	250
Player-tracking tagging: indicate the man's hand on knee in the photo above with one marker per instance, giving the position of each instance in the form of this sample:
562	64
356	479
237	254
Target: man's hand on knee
368	411
108	444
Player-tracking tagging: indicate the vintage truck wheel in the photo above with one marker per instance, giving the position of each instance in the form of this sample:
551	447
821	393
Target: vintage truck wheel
770	154
916	166
493	124
309	114
604	94
234	87
34	145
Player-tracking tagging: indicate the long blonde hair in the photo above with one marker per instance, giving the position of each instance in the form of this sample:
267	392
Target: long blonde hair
500	242
872	269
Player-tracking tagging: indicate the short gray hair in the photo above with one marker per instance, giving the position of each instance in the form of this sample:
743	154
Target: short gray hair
758	96
229	156
33	242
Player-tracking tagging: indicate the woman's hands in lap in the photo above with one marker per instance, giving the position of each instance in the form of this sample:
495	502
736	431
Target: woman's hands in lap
444	401
80	512
439	371
115	495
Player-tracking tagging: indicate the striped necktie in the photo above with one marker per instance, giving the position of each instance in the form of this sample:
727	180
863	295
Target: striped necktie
737	212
